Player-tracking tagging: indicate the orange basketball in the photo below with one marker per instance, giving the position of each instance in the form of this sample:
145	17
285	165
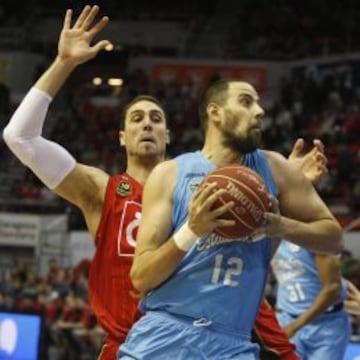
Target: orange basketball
249	193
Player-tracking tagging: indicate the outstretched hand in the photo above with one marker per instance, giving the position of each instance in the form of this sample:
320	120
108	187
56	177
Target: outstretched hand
313	163
75	41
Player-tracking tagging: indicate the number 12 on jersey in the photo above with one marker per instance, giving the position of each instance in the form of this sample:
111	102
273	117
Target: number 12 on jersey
227	271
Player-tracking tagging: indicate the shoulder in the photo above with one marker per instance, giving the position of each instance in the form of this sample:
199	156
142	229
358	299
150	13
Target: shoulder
160	183
284	172
280	165
96	176
189	156
163	173
99	179
165	167
273	157
86	182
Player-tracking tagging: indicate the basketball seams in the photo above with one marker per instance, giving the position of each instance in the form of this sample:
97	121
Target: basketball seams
242	168
249	189
249	172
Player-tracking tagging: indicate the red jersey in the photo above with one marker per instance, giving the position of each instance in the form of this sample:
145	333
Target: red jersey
110	288
274	344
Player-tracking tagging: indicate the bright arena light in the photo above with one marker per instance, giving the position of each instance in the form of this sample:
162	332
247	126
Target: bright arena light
115	81
97	81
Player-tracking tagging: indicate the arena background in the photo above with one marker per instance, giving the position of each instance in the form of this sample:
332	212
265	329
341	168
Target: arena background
304	59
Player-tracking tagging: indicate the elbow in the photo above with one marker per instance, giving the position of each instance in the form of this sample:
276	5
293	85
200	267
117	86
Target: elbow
7	136
21	147
335	244
137	280
339	243
15	143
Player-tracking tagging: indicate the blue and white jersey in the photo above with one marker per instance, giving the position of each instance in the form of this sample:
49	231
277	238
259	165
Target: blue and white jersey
220	281
297	276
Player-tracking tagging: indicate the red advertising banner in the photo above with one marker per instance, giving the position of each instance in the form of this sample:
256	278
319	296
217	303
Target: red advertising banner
202	74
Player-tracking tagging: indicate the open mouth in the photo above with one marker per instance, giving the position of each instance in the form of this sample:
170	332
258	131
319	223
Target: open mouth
148	140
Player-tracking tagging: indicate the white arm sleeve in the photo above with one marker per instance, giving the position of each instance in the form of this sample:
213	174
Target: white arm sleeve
48	160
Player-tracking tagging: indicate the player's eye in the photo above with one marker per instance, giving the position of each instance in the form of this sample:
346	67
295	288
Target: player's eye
246	101
136	118
156	117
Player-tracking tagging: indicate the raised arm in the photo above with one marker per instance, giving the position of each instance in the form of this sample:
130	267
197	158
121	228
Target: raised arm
54	166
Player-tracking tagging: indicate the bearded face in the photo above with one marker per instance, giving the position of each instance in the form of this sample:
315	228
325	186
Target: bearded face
239	133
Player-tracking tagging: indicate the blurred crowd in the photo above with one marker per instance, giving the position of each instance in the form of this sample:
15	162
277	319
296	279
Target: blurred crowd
69	327
306	105
309	103
257	30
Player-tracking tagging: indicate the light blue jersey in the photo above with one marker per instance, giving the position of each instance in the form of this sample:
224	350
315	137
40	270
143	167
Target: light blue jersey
219	283
298	281
298	285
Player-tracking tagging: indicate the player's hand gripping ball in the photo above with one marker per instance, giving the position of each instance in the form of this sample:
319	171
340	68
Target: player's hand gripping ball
249	193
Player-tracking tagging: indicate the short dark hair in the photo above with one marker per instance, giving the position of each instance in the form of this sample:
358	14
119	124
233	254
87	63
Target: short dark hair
217	92
136	100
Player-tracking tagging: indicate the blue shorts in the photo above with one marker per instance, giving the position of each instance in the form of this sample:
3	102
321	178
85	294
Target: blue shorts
162	337
324	338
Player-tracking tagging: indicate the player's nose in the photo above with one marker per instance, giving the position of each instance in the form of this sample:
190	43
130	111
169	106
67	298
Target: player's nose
147	124
259	112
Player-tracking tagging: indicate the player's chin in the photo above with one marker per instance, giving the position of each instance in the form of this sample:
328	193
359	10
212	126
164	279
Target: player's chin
148	149
148	146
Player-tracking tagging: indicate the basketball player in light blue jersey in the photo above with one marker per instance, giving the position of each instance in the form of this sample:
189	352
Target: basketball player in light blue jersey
310	299
202	291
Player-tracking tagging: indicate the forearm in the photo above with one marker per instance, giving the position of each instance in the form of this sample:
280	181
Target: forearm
324	236
325	298
49	161
153	267
55	76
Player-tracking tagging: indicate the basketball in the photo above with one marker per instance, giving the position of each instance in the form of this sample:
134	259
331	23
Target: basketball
249	193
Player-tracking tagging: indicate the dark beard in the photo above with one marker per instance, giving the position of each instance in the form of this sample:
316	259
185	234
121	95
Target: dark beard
243	145
240	144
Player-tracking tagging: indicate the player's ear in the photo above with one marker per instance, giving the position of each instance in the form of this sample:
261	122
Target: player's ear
122	138
213	111
167	137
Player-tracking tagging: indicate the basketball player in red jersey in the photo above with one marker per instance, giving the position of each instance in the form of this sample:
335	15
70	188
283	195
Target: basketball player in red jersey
111	293
111	205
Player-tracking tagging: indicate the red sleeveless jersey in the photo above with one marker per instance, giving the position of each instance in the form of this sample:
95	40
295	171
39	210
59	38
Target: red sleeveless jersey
110	289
